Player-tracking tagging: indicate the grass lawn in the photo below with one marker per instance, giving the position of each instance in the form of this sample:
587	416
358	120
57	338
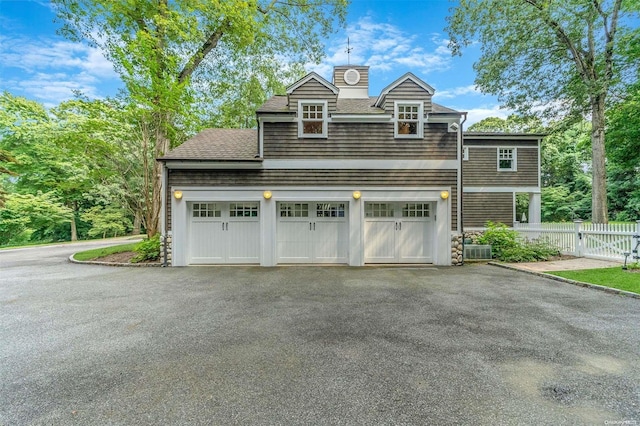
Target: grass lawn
608	277
101	252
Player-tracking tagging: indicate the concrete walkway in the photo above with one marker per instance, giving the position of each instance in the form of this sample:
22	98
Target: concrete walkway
566	265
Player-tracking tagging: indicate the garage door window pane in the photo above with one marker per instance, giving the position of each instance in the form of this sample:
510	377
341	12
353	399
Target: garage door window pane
415	210
294	210
329	210
206	210
243	210
378	210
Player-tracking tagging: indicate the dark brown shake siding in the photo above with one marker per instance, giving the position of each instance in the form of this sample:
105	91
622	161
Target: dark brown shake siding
272	179
359	140
480	207
482	167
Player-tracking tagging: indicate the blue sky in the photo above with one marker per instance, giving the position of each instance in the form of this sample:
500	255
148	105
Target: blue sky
391	36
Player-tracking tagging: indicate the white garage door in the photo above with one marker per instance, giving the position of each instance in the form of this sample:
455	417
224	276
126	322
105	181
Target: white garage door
312	232
224	233
398	232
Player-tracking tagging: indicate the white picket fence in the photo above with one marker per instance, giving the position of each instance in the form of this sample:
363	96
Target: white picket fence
594	240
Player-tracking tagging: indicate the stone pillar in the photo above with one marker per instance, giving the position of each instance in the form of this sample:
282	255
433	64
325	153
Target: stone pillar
456	250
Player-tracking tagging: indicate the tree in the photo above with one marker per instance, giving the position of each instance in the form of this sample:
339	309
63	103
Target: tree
164	49
512	124
5	157
560	57
26	214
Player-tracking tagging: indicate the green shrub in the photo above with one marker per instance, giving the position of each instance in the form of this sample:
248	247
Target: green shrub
506	245
499	237
148	249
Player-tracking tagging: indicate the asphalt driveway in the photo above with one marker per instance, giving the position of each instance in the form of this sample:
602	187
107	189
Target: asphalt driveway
84	344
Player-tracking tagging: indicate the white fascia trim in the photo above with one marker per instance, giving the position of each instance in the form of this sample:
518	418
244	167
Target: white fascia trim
312	76
501	146
361	164
530	189
276	118
217	165
249	193
361	118
439	119
408	76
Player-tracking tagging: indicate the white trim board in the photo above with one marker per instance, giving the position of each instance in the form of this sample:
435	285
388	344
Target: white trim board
534	189
361	164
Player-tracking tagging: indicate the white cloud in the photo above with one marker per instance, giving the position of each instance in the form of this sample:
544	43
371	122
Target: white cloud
384	47
477	114
50	70
457	92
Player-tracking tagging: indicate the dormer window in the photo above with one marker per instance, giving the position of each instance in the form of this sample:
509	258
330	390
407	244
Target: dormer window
312	116
409	120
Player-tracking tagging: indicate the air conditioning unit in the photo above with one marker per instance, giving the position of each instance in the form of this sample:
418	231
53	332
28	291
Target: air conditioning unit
477	252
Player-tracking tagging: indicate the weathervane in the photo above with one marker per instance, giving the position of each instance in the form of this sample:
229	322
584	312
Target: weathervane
349	49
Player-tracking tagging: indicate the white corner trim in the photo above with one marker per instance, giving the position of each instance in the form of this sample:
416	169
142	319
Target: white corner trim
339	164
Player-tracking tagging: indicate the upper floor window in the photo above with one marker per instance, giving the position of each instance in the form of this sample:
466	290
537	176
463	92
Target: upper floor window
409	120
312	119
507	159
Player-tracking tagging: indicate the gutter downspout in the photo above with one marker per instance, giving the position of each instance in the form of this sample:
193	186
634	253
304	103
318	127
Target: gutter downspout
461	184
165	182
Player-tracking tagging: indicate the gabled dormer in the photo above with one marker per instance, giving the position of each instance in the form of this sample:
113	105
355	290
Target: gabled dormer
313	98
409	100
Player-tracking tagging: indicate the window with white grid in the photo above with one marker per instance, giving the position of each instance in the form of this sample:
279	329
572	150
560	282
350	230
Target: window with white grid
378	210
330	210
294	210
408	120
313	119
206	210
243	210
506	159
415	210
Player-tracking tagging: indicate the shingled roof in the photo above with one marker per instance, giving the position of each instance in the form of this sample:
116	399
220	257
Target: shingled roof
218	145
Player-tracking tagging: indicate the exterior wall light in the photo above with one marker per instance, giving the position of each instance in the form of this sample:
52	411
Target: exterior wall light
177	195
356	195
267	195
444	195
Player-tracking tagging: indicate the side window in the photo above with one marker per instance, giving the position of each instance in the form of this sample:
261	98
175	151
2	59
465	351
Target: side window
409	120
312	116
507	159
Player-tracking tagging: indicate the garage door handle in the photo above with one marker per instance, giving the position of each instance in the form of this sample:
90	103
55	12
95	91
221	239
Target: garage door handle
400	226
227	226
309	226
396	226
314	226
223	226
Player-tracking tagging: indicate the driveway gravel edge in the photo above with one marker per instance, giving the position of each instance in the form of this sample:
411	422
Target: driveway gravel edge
609	290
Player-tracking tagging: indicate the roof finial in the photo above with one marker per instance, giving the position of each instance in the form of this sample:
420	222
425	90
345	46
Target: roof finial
349	49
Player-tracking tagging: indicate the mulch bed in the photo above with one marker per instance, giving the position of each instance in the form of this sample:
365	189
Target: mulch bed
124	257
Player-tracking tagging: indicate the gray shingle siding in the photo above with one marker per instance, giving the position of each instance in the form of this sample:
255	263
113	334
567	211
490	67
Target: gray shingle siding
359	140
480	207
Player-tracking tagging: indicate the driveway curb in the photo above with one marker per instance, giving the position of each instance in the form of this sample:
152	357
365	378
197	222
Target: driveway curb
95	262
609	290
